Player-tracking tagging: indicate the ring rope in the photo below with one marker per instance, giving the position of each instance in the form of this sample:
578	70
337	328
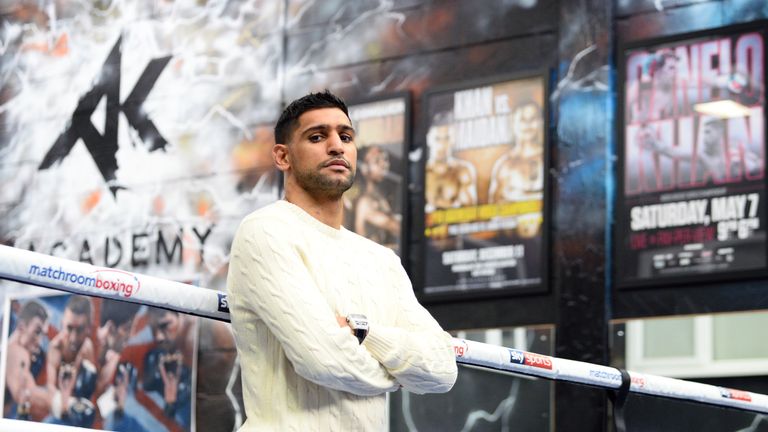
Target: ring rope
80	278
8	425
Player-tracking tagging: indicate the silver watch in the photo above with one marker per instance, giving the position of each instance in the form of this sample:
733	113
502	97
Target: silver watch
359	325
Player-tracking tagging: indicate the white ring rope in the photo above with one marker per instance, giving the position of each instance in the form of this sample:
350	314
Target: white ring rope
7	425
80	278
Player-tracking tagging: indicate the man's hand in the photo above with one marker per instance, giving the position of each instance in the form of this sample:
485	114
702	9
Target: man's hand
66	382
647	138
342	321
121	386
170	371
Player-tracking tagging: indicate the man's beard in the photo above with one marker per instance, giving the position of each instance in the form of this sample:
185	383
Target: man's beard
318	184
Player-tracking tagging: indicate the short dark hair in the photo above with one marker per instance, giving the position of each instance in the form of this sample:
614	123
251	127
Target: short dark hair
32	309
119	312
156	313
80	305
289	119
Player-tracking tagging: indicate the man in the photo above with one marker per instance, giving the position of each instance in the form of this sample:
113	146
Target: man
518	175
165	376
450	182
652	97
24	363
116	320
116	376
70	366
374	217
303	290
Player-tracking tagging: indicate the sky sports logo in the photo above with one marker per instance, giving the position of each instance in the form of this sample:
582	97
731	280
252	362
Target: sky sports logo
735	394
223	303
115	282
530	359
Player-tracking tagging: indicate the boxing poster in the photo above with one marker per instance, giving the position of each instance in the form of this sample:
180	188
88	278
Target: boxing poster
691	200
373	207
98	363
484	183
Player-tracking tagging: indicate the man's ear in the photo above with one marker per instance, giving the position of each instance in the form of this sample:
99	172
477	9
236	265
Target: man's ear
281	157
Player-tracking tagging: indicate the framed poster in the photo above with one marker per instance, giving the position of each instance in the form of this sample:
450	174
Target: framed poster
98	363
484	188
375	204
691	193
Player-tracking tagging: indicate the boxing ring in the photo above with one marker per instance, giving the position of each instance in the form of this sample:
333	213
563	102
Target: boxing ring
80	278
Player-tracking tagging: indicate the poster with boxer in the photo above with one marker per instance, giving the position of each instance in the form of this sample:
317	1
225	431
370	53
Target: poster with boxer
374	206
484	188
98	363
691	201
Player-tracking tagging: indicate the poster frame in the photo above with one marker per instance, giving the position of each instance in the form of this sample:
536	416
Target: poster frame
407	99
139	339
617	233
421	277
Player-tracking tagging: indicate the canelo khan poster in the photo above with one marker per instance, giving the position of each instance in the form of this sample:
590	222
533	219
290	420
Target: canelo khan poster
484	188
692	203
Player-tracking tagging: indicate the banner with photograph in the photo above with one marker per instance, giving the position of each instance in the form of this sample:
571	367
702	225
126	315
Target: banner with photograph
98	363
374	206
692	189
484	182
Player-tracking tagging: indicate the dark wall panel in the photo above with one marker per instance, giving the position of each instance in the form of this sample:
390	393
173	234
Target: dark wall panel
378	33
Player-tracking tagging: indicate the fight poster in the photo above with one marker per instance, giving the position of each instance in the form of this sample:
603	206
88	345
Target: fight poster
692	186
99	364
484	183
373	207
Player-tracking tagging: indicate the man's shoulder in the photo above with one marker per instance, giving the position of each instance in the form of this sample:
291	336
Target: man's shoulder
364	244
462	166
17	351
273	213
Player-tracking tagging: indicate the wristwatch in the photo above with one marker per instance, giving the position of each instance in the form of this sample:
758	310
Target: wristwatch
359	325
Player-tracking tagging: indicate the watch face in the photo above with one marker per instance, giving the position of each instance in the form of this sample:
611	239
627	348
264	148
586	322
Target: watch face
357	321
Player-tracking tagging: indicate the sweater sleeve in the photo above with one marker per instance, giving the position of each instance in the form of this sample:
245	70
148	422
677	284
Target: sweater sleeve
271	282
416	350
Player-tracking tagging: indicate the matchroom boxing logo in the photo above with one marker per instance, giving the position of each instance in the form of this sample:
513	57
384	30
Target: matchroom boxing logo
114	282
460	347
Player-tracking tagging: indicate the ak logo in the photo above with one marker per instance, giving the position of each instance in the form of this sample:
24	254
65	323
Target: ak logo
103	148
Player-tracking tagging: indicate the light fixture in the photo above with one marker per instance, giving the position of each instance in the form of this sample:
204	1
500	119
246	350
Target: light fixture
725	109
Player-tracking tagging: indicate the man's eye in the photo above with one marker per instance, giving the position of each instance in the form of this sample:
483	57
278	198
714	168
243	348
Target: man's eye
315	138
346	138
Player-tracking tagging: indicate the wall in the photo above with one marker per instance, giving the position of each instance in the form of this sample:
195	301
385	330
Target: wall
133	135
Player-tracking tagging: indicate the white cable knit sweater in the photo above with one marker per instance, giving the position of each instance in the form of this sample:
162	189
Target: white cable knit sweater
289	276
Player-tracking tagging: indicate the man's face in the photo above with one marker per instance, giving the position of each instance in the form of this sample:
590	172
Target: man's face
668	70
322	152
440	141
76	328
377	162
119	335
165	328
712	134
32	335
527	123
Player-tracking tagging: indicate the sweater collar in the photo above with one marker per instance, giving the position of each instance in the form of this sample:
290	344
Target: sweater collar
311	220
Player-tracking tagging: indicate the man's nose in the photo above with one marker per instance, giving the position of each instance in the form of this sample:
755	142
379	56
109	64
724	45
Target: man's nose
335	145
